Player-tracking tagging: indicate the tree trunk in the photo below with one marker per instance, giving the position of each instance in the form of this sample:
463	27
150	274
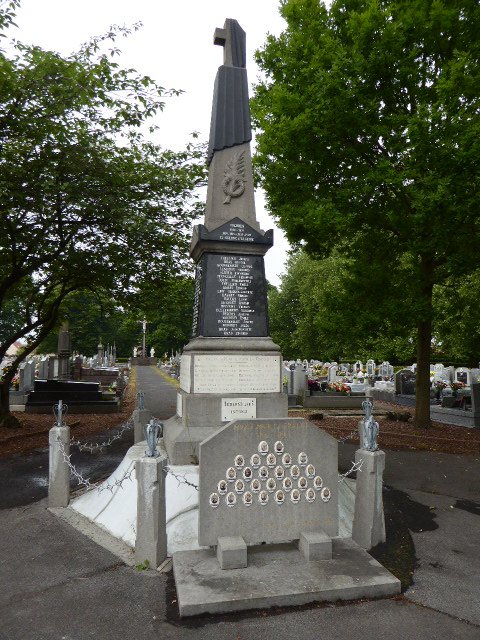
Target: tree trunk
6	418
424	339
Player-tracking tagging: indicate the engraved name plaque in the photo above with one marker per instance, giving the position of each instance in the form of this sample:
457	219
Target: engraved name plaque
235	408
232	295
236	374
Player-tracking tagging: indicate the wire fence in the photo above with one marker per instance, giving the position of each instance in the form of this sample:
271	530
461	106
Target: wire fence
93	447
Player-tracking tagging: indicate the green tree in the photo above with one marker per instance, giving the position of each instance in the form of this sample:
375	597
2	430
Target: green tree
456	312
324	314
91	318
86	202
368	143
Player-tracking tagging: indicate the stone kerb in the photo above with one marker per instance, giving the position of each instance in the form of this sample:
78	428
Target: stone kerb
267	481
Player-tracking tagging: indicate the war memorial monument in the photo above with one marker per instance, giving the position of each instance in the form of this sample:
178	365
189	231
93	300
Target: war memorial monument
268	513
231	368
244	499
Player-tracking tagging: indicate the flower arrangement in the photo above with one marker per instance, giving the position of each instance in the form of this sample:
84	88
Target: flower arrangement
440	385
16	382
339	387
456	386
319	370
313	385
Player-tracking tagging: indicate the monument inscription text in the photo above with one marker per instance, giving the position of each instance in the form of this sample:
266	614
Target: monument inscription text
235	299
236	374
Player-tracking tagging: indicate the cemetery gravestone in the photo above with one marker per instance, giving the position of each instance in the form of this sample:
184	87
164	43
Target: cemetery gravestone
370	367
29	376
43	368
405	382
64	352
463	375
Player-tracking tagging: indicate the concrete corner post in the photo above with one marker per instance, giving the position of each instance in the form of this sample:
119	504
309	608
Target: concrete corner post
151	540
369	523
58	469
141	417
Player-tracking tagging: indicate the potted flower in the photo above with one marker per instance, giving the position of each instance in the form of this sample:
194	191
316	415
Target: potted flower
439	387
456	387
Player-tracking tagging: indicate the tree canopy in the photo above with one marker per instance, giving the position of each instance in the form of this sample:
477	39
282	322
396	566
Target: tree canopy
368	123
86	200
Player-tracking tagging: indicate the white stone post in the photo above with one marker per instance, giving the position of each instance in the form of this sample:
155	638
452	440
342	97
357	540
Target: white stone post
141	417
151	540
58	469
369	523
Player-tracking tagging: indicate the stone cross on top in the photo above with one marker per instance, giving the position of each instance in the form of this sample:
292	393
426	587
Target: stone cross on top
233	40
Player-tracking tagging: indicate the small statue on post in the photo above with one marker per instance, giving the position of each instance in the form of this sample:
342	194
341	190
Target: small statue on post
59	411
368	428
153	432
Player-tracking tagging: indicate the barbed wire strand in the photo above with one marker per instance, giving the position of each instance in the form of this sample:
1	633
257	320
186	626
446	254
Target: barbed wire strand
356	466
181	479
110	486
92	447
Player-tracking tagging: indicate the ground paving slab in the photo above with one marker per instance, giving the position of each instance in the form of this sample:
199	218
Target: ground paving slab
278	575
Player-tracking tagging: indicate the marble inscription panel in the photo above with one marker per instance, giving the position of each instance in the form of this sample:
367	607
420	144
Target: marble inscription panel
236	374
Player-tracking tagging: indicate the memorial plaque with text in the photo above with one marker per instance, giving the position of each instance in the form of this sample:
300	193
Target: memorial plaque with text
233	296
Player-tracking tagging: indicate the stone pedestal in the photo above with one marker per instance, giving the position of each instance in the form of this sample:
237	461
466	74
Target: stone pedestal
58	469
369	522
232	552
315	545
151	540
223	379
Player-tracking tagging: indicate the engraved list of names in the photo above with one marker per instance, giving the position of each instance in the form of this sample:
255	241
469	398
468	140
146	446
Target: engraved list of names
235	302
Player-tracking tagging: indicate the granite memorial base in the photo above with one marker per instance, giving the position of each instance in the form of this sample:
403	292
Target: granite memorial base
278	575
202	416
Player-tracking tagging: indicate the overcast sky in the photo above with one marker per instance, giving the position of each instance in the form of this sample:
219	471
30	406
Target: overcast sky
175	47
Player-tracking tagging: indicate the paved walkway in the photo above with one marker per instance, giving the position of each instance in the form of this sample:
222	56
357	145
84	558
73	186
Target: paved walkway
59	585
24	478
160	392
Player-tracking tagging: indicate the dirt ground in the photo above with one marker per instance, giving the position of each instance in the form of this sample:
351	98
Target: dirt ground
394	434
398	435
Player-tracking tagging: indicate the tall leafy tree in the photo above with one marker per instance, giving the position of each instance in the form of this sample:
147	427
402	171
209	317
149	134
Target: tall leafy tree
85	200
369	123
320	312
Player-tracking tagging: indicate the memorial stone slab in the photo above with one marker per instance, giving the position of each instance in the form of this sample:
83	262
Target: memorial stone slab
29	376
268	481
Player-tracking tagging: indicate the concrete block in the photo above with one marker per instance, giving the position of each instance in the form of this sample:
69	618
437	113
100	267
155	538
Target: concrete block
369	523
141	417
278	576
58	469
232	552
151	539
315	545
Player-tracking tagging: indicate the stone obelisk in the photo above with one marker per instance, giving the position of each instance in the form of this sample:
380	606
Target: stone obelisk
64	352
231	368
